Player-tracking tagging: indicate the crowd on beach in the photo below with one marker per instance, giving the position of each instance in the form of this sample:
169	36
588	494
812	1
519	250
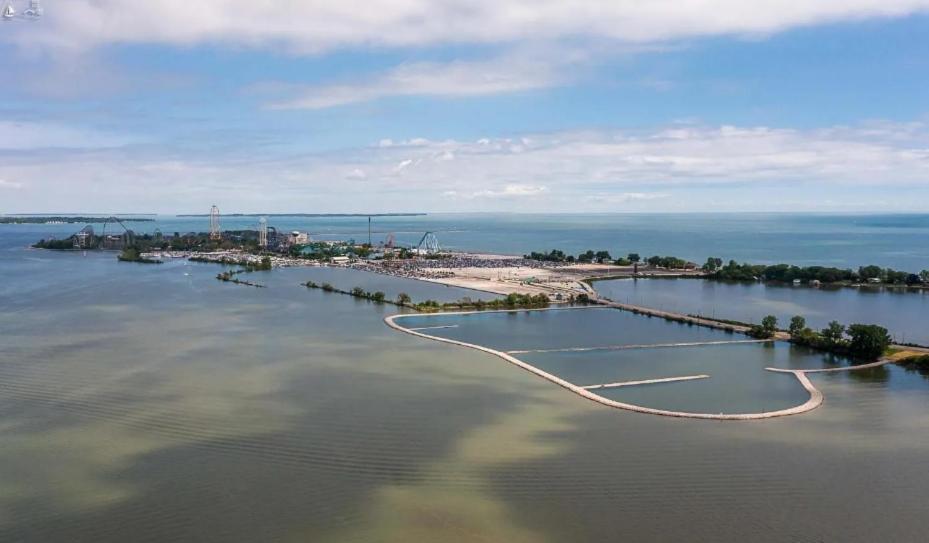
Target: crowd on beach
437	268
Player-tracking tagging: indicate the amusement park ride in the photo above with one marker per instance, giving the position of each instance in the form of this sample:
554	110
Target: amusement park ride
115	235
86	238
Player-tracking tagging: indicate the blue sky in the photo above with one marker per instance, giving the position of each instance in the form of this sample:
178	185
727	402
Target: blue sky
696	105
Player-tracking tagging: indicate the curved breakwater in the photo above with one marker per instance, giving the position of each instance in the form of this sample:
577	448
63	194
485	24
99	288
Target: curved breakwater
814	400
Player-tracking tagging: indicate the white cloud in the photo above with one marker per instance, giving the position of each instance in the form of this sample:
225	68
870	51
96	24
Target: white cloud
509	191
666	168
315	26
453	79
626	197
356	173
22	136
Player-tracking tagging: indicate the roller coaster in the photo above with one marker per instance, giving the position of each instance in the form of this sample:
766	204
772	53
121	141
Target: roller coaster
85	238
428	245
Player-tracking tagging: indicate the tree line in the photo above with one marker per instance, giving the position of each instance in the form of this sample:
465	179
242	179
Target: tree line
786	273
715	268
600	257
861	341
511	301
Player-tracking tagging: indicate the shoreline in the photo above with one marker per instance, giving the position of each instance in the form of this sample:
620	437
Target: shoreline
782	284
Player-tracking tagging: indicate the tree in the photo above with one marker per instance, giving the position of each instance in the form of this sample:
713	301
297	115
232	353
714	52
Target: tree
924	276
797	326
765	330
870	272
834	332
869	341
358	292
586	257
653	260
603	255
713	264
769	324
634	257
378	297
403	298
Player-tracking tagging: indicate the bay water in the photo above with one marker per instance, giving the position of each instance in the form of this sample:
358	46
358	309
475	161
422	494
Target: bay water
155	403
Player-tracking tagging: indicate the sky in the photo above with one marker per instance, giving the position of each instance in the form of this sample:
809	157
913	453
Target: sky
323	106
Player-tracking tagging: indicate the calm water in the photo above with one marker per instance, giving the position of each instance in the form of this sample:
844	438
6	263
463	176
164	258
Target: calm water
737	383
154	403
903	313
563	329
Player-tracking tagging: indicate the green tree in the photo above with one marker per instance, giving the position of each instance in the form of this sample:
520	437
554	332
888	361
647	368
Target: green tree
868	341
769	324
797	326
870	272
378	297
586	257
713	264
924	276
634	257
403	298
834	332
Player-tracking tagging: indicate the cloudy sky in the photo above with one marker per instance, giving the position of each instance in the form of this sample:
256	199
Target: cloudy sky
447	105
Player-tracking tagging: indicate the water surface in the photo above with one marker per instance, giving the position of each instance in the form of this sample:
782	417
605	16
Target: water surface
154	403
900	311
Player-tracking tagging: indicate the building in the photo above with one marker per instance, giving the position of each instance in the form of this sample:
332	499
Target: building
299	238
85	238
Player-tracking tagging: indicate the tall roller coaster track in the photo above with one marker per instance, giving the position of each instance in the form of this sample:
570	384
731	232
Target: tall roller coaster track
428	245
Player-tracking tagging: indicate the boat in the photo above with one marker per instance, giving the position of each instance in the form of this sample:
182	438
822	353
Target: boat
9	12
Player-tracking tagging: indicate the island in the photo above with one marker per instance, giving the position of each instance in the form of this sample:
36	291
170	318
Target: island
62	219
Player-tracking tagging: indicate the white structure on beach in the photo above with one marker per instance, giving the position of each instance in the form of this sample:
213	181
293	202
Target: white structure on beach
263	233
214	223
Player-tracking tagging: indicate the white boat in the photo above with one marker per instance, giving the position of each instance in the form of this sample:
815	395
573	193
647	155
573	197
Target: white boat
9	12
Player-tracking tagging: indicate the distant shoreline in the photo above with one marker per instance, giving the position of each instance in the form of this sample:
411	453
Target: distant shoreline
64	219
309	215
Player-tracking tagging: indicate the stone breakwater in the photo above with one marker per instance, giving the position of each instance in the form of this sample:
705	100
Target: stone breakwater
814	400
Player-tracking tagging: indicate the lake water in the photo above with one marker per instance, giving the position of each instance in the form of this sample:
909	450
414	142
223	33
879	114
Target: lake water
902	312
154	403
598	346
